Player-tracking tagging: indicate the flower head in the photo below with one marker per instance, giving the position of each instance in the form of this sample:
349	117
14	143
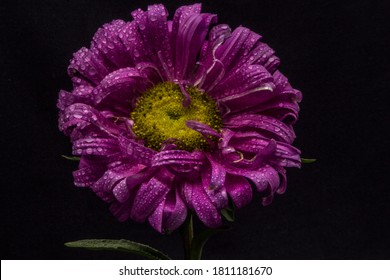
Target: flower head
171	115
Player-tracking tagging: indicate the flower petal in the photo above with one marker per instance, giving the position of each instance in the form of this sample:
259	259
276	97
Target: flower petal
81	94
245	80
179	157
95	146
150	195
239	190
86	68
211	70
136	151
119	90
189	30
202	204
213	179
108	45
153	28
266	126
170	214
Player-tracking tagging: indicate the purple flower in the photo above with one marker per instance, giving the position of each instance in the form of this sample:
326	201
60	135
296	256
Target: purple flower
171	115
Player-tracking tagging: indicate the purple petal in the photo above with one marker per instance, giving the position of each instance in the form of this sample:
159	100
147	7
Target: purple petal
153	28
202	128
150	195
170	214
79	120
86	68
89	172
283	155
264	178
81	94
118	90
213	179
202	205
266	126
136	151
95	146
189	30
239	190
211	70
133	42
177	157
108	45
244	81
114	175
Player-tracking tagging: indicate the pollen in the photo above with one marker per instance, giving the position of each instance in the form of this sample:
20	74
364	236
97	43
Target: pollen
159	116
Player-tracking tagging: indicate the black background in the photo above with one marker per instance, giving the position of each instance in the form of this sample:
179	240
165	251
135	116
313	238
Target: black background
335	52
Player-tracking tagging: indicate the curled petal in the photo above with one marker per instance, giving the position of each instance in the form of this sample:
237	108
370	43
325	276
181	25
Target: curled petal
118	90
108	45
81	94
170	214
177	157
95	146
153	27
79	120
201	203
189	30
202	128
150	195
136	151
239	190
211	70
86	68
267	126
213	179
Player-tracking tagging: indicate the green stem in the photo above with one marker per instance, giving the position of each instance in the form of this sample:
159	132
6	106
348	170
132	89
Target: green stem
187	233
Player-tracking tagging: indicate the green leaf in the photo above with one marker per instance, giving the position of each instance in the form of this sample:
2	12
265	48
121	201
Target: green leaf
308	160
200	240
119	245
229	212
71	158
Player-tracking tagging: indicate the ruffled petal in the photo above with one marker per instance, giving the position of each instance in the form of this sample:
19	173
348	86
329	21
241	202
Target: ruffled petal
89	172
199	201
266	179
267	126
213	179
81	94
253	143
239	190
95	146
136	151
86	68
153	28
80	120
246	78
170	214
108	46
211	70
179	157
150	195
189	30
119	90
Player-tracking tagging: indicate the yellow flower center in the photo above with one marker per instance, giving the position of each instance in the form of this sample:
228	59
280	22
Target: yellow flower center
159	115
